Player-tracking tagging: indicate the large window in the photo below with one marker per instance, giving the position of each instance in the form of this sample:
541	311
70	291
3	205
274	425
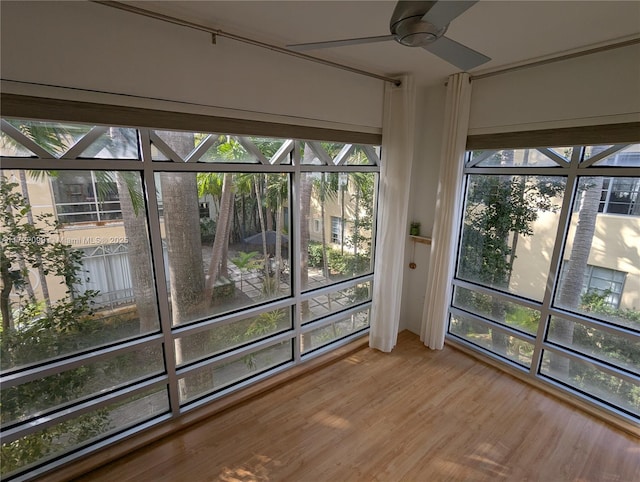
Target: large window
548	271
174	268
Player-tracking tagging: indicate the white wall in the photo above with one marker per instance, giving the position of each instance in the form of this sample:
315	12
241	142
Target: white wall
89	46
424	188
596	89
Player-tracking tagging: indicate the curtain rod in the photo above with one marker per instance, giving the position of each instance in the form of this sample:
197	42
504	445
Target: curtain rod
220	33
573	55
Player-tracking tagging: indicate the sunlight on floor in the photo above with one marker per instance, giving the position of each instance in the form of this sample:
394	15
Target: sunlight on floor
255	470
481	464
330	420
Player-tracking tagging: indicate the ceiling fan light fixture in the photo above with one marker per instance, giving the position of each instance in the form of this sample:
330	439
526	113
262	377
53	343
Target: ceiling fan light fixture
417	39
413	32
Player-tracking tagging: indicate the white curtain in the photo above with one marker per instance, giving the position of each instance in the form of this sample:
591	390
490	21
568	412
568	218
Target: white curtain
448	205
393	202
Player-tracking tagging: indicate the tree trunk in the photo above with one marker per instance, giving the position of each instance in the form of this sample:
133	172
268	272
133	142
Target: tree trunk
268	210
262	227
7	286
217	250
278	242
135	228
224	260
184	248
186	281
342	216
306	186
571	289
43	277
325	260
356	223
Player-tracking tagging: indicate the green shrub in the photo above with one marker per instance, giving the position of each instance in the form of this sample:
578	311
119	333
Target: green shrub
207	230
315	255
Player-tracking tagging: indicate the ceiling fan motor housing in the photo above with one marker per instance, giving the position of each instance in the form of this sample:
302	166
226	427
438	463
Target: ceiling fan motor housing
414	32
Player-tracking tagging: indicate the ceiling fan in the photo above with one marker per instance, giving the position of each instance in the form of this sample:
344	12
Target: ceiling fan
419	24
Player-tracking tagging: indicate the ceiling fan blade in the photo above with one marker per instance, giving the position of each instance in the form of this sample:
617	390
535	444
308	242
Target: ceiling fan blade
457	54
339	43
442	13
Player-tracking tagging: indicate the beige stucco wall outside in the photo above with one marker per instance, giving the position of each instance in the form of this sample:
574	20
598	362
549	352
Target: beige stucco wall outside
616	245
79	235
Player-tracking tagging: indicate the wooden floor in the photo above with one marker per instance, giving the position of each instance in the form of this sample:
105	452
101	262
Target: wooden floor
412	415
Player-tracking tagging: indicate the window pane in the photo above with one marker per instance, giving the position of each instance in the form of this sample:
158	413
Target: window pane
231	254
627	157
498	342
497	309
616	349
600	274
275	151
352	323
589	379
362	156
82	430
29	399
54	307
9	147
225	337
202	147
54	137
344	205
182	143
515	158
323	305
229	149
116	143
218	377
509	230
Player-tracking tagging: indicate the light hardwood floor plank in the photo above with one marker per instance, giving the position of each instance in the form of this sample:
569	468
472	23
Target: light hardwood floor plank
410	415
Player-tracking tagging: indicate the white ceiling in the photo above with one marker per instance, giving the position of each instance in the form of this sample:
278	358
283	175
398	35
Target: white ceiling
507	31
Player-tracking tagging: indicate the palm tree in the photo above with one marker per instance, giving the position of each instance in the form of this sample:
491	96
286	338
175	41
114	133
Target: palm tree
306	187
278	191
245	262
134	222
326	190
569	295
221	240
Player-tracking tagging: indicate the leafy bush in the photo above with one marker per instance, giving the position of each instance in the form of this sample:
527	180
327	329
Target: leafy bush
337	261
207	230
32	331
315	255
347	264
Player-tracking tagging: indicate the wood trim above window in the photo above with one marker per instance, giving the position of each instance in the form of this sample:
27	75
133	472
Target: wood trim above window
589	135
42	108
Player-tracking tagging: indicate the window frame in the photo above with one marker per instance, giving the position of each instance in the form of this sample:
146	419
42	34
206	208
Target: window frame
147	167
336	230
573	169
